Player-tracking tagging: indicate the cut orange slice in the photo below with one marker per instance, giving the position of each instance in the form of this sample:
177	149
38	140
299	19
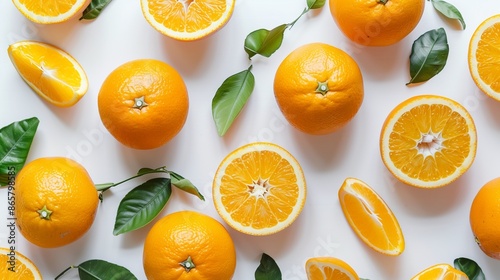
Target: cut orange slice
50	11
259	189
370	217
329	268
16	266
440	272
484	56
51	72
187	20
428	141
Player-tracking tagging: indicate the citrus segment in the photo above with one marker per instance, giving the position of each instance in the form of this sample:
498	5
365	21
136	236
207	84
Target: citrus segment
370	217
329	268
440	272
259	189
16	266
50	11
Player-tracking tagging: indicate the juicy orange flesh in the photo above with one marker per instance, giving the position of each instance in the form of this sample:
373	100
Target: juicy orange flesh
488	56
326	273
190	17
440	273
259	211
48	7
436	119
21	270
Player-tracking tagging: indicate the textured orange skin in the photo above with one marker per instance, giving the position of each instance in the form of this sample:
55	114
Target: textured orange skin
296	81
66	189
372	23
179	235
485	218
165	93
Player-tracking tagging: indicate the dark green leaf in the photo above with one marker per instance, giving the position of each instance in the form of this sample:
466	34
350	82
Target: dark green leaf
103	270
94	9
448	10
264	42
145	170
469	267
230	99
142	204
315	4
428	55
185	185
15	144
268	269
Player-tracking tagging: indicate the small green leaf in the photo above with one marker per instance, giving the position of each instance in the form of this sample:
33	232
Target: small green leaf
428	55
185	185
264	42
268	269
142	204
448	10
469	267
103	270
94	9
230	98
315	4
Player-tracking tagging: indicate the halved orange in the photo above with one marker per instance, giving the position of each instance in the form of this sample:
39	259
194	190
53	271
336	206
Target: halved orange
370	217
428	141
51	72
440	272
16	266
329	268
187	20
259	189
50	11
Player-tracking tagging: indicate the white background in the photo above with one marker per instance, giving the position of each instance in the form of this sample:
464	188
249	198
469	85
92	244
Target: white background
435	222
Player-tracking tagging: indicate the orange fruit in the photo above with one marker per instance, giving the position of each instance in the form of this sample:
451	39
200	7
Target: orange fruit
440	272
51	72
187	20
56	201
189	245
484	57
428	141
16	266
143	103
259	189
319	88
485	217
50	11
370	217
377	22
329	268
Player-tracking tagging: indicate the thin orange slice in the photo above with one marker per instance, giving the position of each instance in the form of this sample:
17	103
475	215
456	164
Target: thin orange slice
51	72
329	268
370	217
187	20
50	11
16	266
428	141
440	272
259	189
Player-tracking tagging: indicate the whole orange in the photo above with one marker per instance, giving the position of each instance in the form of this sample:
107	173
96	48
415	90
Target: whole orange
377	22
56	201
189	245
485	218
143	103
319	88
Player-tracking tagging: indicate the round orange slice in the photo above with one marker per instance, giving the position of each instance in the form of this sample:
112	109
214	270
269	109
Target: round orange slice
428	141
329	268
16	266
440	272
259	189
50	11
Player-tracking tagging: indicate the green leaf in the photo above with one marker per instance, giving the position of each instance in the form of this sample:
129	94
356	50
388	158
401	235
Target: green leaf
185	185
448	10
94	9
142	204
428	55
264	42
15	144
315	4
469	267
230	98
103	270
268	269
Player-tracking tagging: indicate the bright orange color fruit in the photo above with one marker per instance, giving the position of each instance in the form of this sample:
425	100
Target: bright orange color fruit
319	88
56	201
50	11
329	268
440	272
16	266
143	103
189	245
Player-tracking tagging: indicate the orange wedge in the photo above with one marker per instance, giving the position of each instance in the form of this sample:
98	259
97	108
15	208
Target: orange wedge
51	72
329	268
484	56
428	141
370	217
15	266
50	11
440	272
187	20
259	189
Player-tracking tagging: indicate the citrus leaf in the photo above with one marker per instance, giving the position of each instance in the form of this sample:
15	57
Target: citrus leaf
230	98
142	204
469	267
94	9
315	4
449	11
185	185
268	269
264	42
428	55
103	270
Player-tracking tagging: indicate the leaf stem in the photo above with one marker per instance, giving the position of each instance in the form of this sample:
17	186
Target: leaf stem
291	24
105	186
64	271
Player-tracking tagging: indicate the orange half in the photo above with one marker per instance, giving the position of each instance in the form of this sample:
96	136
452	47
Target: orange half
329	268
440	272
50	11
16	266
